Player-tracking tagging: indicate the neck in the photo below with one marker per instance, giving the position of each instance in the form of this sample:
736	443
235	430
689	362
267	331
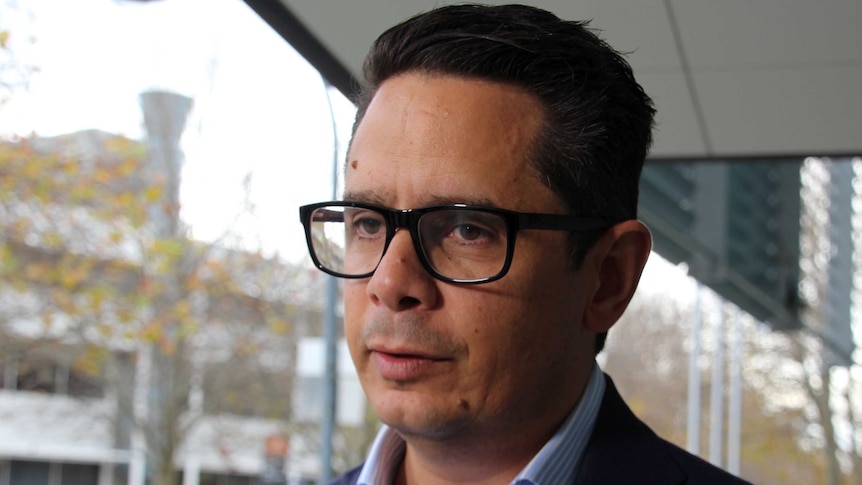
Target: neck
457	466
476	457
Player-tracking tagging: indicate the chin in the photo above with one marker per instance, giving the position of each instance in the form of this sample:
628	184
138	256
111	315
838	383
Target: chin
410	415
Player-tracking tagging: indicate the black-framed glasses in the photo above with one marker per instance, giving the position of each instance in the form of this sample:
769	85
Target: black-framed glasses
456	243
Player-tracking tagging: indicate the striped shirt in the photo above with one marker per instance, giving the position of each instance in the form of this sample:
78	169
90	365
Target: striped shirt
557	462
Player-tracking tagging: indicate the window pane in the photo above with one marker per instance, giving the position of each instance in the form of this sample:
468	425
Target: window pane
29	472
74	474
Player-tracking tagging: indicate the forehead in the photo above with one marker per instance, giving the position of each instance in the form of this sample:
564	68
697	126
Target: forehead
428	139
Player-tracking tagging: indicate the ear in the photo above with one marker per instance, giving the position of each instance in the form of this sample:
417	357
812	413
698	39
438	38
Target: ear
617	261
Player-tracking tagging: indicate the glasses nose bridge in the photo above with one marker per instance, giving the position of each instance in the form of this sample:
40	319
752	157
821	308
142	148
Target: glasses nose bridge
401	218
404	219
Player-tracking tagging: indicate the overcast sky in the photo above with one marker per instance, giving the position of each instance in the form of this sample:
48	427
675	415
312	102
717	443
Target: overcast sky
259	108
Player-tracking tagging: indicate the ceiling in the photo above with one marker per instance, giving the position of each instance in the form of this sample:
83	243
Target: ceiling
730	78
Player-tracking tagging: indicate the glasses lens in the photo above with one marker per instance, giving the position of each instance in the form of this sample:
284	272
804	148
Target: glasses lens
348	240
464	244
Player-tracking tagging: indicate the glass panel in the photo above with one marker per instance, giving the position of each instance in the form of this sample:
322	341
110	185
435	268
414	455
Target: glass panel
152	157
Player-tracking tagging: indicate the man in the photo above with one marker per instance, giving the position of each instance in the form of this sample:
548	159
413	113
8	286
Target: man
488	240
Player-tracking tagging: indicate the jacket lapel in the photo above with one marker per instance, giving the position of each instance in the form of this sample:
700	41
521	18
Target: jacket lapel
622	449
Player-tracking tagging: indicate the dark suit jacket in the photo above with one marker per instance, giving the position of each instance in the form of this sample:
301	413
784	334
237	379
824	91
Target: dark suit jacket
623	450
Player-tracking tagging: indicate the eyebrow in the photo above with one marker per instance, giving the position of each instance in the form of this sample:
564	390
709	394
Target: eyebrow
367	196
471	200
380	198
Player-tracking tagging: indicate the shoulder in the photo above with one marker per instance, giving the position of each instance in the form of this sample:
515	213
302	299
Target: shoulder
348	478
699	470
620	437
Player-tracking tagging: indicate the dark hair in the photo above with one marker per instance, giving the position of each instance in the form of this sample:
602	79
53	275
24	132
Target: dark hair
598	120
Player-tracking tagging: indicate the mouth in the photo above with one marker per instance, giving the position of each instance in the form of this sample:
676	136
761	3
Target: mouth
406	366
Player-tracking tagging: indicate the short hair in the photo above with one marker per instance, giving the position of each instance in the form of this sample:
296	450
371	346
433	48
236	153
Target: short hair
598	120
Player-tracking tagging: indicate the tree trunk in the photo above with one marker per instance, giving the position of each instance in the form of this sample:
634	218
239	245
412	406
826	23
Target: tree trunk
853	418
824	410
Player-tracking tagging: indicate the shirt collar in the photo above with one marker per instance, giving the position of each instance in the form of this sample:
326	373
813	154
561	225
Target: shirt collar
557	462
384	458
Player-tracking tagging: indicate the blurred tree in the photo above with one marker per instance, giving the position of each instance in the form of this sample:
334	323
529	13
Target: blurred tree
173	327
15	74
831	194
647	355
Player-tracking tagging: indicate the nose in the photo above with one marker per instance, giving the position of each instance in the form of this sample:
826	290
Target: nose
400	282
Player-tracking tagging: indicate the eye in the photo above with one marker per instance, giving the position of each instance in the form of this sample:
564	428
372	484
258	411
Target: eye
470	232
472	229
460	230
366	224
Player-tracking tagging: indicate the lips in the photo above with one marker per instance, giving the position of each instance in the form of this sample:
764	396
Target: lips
405	366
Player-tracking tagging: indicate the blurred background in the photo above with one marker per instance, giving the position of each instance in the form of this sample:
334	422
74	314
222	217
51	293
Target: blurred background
161	323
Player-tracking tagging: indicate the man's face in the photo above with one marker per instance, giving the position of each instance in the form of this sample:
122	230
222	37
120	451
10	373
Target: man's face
440	360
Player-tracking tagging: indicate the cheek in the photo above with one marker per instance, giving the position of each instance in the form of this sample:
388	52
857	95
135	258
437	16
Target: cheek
536	324
507	337
354	294
354	311
514	358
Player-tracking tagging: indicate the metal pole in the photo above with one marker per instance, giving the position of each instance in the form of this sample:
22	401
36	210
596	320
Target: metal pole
716	403
693	424
839	271
330	333
330	393
734	412
165	115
